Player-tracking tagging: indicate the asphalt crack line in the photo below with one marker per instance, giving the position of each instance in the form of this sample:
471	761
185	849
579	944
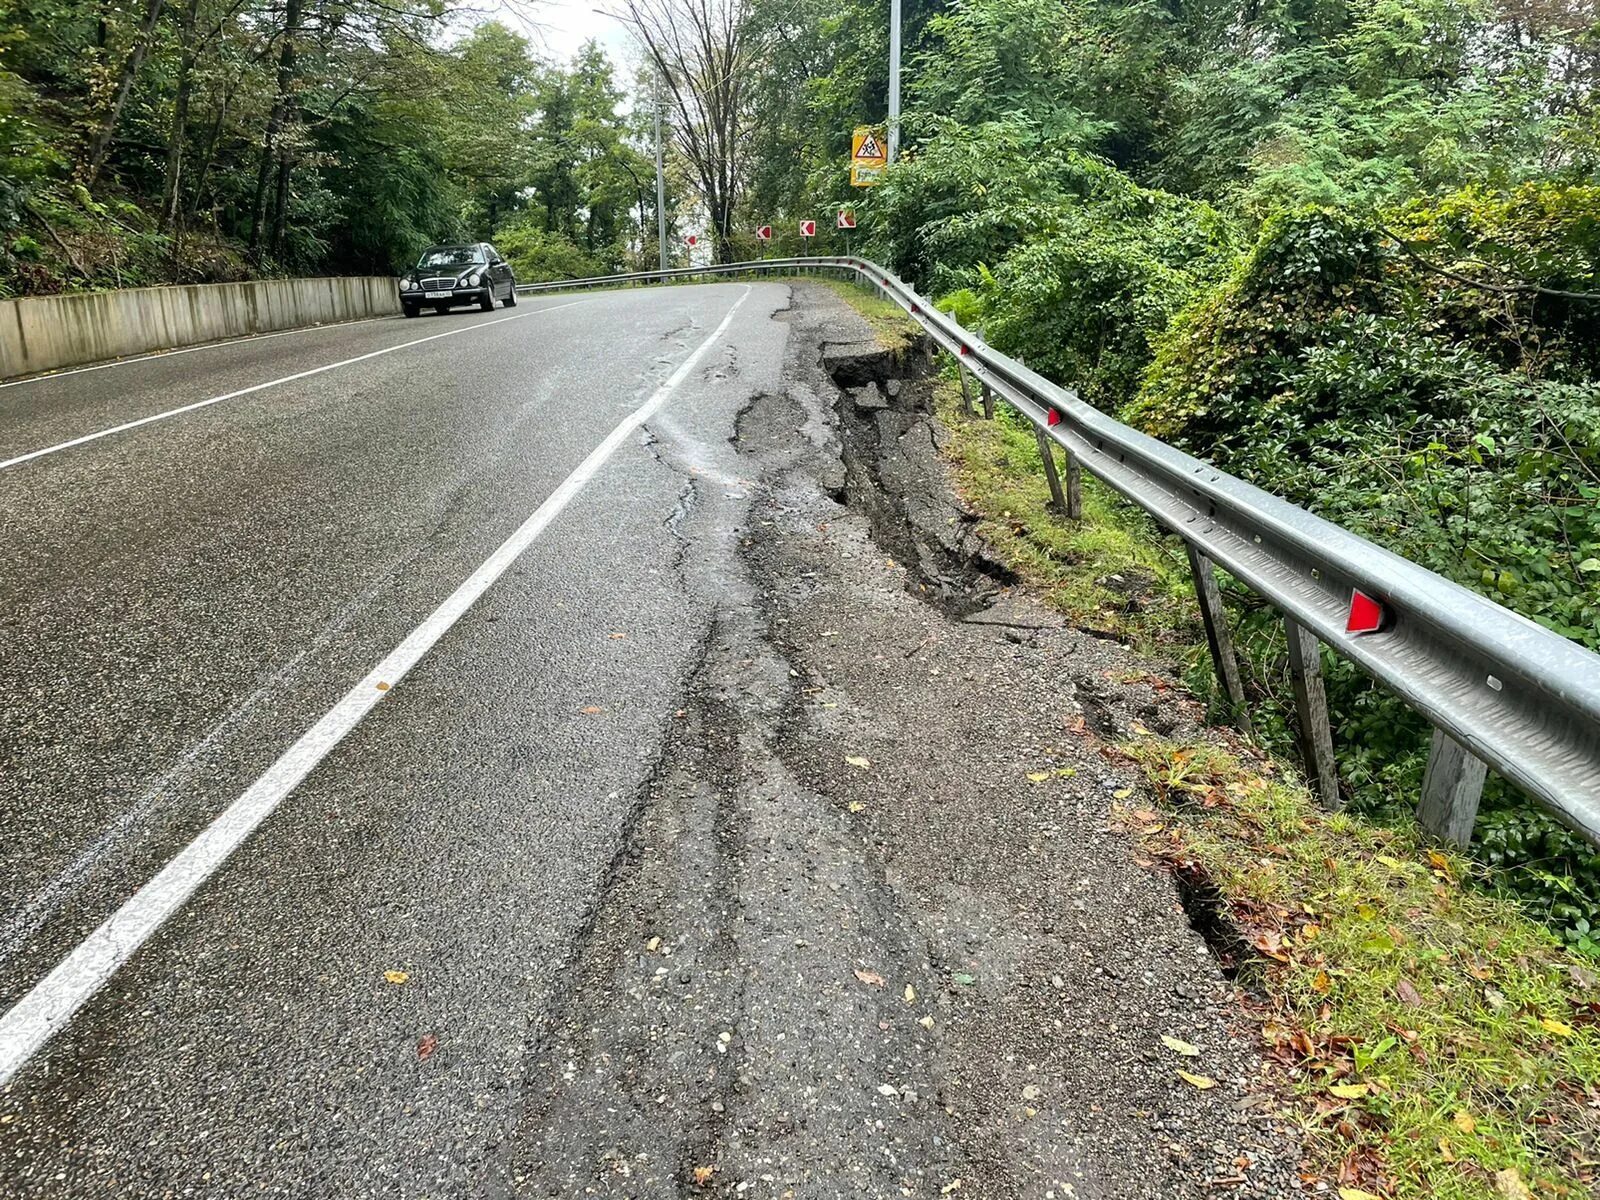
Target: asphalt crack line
52	1002
17	461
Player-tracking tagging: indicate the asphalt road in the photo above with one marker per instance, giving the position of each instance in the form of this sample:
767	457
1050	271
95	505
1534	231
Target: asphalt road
182	600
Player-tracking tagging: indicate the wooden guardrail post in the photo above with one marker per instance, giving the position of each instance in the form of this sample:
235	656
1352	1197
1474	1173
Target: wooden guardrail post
988	401
1451	789
1311	705
1220	641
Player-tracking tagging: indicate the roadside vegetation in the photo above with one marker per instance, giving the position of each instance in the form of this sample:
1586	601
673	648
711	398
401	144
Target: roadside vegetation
1349	252
1440	1042
205	140
1438	1038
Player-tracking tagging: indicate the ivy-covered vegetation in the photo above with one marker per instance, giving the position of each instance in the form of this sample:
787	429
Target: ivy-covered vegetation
1347	249
150	141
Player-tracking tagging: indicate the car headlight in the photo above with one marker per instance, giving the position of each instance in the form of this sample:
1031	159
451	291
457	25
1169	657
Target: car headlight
472	279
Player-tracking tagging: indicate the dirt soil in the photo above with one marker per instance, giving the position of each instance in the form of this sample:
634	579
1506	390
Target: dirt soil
876	931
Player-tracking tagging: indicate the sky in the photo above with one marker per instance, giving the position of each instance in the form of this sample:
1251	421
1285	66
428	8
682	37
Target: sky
558	27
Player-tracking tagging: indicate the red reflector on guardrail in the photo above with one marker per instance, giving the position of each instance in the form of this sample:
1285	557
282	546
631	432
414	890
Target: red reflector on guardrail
1366	614
1052	417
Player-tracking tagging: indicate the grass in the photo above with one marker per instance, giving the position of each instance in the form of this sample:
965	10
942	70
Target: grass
1440	1042
893	328
1111	571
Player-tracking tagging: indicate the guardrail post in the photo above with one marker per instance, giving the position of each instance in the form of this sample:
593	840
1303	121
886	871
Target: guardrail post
988	401
1451	789
1311	704
1215	618
1047	453
966	393
1074	486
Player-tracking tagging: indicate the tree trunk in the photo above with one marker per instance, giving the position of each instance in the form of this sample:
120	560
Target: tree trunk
280	207
180	118
280	110
130	68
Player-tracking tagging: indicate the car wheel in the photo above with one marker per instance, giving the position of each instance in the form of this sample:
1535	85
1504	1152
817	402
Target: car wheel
410	310
486	301
511	295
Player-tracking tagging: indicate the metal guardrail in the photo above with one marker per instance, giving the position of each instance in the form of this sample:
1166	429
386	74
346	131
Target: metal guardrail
1500	690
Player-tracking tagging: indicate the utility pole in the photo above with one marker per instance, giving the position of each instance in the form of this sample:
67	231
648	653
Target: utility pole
894	80
661	184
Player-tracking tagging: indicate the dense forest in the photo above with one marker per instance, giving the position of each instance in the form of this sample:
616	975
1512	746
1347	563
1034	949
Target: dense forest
1347	249
203	140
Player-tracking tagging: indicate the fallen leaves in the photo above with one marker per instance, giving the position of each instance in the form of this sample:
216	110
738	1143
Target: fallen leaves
702	1175
592	710
1465	1121
871	978
1038	776
426	1047
858	761
856	806
396	977
1178	1046
1407	991
1509	1184
1559	1028
1348	1091
1202	1082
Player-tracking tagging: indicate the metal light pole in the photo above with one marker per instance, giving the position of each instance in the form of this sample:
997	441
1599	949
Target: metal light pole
661	186
894	79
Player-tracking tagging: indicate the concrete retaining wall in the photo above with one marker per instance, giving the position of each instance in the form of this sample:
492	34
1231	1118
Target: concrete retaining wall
42	333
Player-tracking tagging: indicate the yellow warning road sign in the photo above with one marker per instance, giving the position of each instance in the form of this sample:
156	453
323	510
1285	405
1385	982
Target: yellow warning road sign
869	156
867	147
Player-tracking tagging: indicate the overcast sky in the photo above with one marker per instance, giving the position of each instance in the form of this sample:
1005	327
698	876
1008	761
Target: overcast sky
558	27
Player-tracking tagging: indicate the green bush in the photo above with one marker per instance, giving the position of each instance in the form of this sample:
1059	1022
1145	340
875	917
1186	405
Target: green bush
537	255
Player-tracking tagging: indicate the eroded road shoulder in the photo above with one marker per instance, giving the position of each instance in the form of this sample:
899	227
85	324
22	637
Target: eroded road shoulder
871	933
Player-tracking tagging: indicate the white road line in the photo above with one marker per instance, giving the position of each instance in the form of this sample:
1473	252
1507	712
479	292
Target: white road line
271	383
54	999
139	358
236	341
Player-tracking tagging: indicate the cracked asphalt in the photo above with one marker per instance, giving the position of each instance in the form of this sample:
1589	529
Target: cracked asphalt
599	901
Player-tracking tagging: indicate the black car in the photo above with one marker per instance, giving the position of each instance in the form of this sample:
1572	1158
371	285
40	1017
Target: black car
448	275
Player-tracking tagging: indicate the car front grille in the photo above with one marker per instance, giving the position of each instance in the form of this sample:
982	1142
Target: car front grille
438	285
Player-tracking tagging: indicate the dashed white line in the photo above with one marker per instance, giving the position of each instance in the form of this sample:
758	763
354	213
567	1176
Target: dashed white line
259	387
54	999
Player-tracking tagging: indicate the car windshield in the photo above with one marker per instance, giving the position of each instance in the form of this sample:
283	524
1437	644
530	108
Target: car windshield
449	256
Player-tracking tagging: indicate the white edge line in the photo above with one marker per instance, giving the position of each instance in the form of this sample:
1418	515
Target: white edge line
243	339
199	404
148	355
53	1001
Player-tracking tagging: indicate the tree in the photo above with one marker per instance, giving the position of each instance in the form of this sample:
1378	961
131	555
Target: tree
702	54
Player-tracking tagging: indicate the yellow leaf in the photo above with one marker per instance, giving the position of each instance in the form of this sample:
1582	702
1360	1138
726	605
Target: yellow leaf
855	760
1122	793
1179	1047
1355	1194
1348	1091
1465	1121
1559	1028
1390	861
382	687
856	806
1200	1081
703	1174
1439	861
396	977
1510	1185
1038	776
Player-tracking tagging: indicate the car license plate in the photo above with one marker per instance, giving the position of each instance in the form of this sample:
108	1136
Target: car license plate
437	295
